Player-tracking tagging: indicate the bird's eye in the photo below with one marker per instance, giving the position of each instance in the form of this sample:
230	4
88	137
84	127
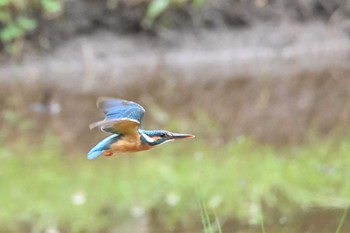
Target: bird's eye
163	135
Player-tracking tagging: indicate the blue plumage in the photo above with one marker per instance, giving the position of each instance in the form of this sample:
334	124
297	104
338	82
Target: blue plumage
122	116
101	146
117	108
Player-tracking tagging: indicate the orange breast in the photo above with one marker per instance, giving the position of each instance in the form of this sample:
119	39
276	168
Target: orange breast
129	144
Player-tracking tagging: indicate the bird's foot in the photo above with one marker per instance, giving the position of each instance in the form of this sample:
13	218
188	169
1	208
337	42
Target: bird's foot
108	153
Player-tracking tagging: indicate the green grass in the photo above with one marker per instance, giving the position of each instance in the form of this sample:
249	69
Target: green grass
42	188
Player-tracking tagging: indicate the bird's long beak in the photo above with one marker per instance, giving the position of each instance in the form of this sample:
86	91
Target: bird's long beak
181	135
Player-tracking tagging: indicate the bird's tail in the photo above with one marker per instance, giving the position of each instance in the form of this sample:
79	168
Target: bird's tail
99	149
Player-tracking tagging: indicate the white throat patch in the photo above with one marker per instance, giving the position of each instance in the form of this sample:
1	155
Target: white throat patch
148	138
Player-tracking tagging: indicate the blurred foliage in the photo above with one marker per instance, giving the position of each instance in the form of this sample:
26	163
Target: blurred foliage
16	20
19	18
15	124
157	7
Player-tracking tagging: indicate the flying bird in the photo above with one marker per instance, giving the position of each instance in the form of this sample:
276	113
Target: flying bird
124	121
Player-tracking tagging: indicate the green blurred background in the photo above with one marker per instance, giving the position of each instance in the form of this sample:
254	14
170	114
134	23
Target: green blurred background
264	85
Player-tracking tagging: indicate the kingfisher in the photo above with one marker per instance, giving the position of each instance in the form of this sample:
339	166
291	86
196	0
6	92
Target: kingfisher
124	121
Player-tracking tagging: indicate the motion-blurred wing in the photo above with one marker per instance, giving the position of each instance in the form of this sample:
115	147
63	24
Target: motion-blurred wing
118	108
122	116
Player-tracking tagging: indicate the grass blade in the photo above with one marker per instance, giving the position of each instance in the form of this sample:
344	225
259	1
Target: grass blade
342	220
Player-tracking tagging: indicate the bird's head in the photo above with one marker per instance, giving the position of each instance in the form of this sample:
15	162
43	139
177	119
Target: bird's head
157	137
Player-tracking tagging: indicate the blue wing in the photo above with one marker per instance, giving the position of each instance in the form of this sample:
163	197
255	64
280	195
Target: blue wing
122	116
118	108
101	146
